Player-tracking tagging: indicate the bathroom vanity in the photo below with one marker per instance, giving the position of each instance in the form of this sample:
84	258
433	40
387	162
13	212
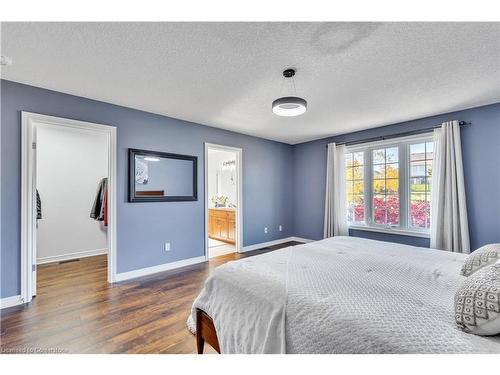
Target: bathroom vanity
222	224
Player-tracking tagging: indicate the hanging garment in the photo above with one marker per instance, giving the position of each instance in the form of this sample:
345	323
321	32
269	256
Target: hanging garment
97	211
106	208
38	206
96	207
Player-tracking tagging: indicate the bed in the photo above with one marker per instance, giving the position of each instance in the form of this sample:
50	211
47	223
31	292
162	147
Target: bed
338	295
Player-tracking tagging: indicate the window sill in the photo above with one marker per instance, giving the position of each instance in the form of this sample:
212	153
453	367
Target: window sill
399	232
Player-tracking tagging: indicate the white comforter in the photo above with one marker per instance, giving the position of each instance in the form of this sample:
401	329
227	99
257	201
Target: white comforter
340	295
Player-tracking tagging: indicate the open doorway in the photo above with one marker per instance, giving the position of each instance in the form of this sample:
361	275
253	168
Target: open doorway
69	203
223	200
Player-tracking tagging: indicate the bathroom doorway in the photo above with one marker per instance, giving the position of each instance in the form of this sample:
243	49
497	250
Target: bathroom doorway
222	200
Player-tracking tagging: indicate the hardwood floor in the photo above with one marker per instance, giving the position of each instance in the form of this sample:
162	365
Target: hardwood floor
77	311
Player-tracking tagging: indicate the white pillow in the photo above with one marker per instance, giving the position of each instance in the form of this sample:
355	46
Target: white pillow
482	257
477	302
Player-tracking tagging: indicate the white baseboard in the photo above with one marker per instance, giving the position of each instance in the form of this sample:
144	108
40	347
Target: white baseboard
155	269
272	243
69	256
10	301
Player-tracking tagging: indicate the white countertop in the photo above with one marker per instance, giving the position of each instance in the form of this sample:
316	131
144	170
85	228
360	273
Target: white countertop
223	208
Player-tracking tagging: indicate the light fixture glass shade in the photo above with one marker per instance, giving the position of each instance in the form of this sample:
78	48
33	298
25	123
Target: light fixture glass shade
289	106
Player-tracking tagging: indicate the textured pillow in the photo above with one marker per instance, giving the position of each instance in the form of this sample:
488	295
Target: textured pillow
477	302
482	257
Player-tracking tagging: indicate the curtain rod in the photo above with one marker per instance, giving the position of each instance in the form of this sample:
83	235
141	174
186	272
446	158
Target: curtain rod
384	137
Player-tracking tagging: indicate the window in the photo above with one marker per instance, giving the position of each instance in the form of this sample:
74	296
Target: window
385	182
355	187
421	156
389	184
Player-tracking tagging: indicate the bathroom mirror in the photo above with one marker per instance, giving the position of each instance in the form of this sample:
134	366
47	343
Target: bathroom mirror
162	177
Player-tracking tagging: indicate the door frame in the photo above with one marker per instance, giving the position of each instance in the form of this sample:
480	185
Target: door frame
239	193
29	123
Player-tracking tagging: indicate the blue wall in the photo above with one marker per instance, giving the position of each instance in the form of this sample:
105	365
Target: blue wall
144	227
481	157
282	184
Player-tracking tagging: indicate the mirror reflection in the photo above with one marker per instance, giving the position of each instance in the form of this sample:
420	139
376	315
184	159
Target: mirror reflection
160	176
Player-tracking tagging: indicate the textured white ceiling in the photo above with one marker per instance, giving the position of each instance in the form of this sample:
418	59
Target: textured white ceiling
353	75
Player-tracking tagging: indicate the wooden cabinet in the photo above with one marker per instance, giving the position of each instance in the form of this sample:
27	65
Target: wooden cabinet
222	225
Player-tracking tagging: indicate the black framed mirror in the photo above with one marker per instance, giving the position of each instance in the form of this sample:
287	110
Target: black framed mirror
162	177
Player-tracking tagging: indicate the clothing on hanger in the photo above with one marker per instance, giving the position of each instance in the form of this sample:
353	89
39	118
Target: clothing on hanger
106	208
99	208
38	206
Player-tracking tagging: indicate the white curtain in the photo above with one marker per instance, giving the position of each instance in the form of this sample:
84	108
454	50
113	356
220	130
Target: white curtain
449	224
335	200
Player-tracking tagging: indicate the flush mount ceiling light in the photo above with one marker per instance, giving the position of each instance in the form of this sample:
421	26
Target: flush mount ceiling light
289	105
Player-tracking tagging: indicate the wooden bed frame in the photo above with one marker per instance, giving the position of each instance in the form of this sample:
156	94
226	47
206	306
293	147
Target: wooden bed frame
205	332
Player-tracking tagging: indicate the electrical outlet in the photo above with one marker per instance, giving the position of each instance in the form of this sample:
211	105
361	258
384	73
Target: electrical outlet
265	229
166	247
280	228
